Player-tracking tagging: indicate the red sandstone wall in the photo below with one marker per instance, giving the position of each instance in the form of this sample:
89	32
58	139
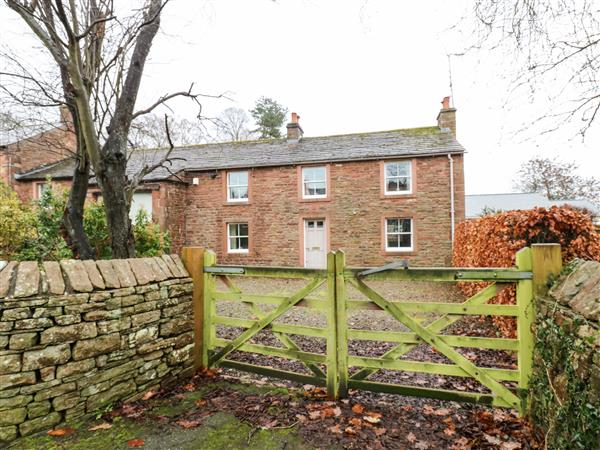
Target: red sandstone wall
354	213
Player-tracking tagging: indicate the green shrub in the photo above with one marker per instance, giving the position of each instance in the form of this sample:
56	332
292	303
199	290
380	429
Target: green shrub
96	229
35	233
16	222
149	239
47	242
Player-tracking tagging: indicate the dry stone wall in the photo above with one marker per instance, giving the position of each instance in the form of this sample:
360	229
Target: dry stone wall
565	386
77	335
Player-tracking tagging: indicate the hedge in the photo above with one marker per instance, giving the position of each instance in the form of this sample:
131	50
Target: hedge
493	241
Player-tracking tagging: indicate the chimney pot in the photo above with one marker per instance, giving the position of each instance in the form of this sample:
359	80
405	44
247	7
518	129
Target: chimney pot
446	103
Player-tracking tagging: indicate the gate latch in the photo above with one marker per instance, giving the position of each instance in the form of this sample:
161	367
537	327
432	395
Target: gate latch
391	266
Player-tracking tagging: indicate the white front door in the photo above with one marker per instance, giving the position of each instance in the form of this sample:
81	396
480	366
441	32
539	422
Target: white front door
315	244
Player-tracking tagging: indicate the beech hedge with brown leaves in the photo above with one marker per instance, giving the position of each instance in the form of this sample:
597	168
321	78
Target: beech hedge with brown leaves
493	241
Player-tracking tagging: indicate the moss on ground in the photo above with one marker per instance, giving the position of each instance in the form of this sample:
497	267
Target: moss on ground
218	431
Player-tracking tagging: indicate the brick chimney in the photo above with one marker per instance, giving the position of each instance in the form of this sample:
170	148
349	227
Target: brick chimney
446	118
294	130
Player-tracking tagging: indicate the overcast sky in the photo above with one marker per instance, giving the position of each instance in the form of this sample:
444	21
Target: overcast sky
350	66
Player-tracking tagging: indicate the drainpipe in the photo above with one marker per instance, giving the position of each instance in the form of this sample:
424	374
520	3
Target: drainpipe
452	212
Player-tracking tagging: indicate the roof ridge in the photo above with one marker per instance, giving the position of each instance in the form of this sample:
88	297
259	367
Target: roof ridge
283	140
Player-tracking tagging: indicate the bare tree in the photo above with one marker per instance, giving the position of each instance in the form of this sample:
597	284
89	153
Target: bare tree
149	132
99	60
233	125
557	180
554	45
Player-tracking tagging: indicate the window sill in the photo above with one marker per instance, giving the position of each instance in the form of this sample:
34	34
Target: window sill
398	252
239	252
398	196
236	203
313	200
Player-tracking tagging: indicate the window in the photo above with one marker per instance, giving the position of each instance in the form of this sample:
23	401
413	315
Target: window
398	178
40	189
314	182
398	235
237	238
237	186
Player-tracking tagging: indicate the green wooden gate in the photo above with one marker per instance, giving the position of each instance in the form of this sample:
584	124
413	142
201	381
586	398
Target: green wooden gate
326	291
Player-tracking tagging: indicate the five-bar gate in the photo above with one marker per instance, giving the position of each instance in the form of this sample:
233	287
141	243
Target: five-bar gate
326	291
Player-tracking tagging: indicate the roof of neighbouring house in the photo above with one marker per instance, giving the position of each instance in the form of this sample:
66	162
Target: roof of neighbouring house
411	142
476	204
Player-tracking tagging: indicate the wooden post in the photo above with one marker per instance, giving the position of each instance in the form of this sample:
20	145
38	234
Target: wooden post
547	265
525	320
332	363
193	260
341	324
206	308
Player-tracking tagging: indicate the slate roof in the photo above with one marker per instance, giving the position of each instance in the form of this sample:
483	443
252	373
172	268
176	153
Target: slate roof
268	153
475	204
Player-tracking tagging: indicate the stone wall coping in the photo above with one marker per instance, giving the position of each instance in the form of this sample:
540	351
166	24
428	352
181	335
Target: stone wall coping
579	290
30	278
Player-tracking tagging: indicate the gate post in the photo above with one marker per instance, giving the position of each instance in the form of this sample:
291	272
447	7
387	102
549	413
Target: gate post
525	319
332	370
341	323
547	265
193	260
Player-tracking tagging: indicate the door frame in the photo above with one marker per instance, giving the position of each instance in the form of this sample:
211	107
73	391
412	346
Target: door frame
302	229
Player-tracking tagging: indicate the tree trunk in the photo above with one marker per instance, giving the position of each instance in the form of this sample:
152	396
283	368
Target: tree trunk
113	180
73	216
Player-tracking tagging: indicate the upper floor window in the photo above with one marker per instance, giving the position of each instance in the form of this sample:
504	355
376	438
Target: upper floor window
314	182
237	186
398	235
237	238
398	177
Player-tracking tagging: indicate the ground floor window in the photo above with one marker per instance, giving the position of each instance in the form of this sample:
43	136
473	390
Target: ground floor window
398	234
237	238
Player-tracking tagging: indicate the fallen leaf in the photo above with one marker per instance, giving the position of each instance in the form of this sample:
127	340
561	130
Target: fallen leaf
410	437
327	412
335	429
449	431
350	430
271	424
428	409
188	423
58	432
372	420
511	445
148	395
422	445
337	412
380	431
102	426
200	402
301	418
356	422
492	439
314	415
442	412
189	387
358	409
135	443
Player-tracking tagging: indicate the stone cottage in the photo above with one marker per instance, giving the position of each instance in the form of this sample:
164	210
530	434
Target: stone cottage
378	195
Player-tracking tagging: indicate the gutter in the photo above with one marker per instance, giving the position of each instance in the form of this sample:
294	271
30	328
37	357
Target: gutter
452	210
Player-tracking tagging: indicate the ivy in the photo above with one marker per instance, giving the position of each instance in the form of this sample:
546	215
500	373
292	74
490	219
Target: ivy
563	401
